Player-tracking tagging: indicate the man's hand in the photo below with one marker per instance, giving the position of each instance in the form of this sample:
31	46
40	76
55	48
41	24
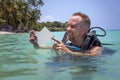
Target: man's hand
33	39
60	46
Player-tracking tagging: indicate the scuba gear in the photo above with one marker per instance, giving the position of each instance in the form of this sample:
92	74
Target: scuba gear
100	29
73	47
89	41
64	40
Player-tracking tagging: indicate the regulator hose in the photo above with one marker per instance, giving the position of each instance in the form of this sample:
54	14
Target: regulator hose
101	35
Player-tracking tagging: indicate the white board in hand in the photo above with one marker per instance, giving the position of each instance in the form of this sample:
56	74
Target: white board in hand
44	37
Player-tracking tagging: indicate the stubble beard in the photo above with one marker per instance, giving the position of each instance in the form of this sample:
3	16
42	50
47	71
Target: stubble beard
71	37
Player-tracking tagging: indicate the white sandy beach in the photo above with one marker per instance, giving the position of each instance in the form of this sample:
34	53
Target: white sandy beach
5	32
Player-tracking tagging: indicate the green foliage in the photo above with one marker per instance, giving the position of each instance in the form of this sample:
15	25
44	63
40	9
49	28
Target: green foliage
53	26
20	14
24	14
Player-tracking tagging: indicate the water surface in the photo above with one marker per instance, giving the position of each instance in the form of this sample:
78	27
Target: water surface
20	61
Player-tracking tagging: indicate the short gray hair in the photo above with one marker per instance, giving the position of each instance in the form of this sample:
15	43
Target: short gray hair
85	18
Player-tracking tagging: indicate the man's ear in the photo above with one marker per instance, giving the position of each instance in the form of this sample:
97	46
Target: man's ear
84	30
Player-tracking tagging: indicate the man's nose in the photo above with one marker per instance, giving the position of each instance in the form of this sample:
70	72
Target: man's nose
69	28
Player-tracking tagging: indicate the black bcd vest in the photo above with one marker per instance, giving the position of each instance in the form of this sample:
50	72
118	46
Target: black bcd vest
90	40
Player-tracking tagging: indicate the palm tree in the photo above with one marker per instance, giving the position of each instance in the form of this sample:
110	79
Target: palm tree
20	13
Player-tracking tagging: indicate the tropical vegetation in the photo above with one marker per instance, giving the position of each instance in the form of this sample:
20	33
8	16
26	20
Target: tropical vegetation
52	26
24	15
20	14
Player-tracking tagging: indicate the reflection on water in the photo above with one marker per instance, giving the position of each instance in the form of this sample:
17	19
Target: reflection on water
75	67
20	61
14	58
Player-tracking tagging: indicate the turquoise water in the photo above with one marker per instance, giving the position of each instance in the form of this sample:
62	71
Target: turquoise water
20	61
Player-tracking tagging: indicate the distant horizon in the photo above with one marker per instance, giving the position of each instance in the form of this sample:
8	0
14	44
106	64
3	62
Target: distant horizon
113	29
90	27
103	13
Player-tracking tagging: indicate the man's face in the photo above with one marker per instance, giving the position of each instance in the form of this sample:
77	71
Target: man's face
75	28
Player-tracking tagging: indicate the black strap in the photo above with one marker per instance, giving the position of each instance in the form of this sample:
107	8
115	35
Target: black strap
90	41
64	40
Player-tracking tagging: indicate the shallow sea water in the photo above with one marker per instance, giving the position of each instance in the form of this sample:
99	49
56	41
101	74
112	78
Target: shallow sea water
20	61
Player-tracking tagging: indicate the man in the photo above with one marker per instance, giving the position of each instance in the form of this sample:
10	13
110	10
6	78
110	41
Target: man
78	26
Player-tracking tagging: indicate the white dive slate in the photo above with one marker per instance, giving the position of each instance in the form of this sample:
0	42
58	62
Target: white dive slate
44	37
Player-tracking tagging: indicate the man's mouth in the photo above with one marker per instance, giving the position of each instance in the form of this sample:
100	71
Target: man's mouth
70	34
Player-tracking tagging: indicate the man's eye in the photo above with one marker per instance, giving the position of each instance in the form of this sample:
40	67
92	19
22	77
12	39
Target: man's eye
72	26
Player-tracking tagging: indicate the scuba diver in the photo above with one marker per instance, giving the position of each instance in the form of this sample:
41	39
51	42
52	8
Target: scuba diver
78	40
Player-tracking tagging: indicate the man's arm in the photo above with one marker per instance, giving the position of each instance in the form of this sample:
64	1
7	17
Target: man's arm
93	52
37	46
33	40
62	48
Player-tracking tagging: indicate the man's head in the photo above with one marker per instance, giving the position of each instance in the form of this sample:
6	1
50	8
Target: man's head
78	26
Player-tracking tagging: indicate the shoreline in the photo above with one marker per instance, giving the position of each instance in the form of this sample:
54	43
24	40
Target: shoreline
6	32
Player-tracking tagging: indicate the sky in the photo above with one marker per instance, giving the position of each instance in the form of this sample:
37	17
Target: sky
103	13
